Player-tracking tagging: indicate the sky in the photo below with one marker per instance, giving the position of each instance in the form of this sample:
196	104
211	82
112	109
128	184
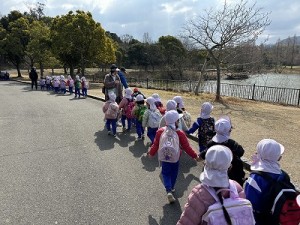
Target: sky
162	17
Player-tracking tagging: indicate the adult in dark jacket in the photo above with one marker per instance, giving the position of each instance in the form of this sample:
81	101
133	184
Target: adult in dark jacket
222	137
33	77
112	83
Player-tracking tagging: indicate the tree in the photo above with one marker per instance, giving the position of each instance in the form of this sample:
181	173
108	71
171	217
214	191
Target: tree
230	26
15	37
77	40
38	48
174	55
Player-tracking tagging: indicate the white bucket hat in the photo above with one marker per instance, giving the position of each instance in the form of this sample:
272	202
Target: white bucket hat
156	97
151	102
179	101
172	116
206	109
128	93
222	128
112	96
268	155
217	162
171	105
139	97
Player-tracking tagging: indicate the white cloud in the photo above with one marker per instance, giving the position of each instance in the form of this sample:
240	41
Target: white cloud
136	17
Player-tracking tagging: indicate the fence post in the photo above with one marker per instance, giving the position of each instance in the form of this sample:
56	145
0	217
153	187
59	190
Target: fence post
299	97
253	91
167	84
147	83
190	88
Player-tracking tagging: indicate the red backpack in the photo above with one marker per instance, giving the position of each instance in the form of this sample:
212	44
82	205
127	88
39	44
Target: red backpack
128	108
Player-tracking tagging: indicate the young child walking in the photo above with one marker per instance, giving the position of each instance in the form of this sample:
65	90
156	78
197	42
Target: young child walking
151	118
111	111
70	84
126	105
181	110
170	158
205	124
77	86
138	112
62	84
84	86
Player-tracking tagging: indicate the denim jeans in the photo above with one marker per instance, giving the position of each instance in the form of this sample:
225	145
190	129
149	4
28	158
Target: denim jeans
71	90
84	91
77	92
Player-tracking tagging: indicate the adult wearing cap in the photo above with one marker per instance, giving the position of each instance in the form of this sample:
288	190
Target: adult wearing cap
217	162
222	137
112	84
266	159
170	170
122	72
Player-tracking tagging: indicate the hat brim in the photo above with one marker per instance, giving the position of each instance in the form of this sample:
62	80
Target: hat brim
220	138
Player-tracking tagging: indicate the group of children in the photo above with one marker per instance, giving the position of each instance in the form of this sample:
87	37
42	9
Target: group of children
167	128
59	85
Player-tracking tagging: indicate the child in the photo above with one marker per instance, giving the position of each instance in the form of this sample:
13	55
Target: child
77	86
214	176
111	111
223	129
170	169
84	86
70	83
136	92
171	105
205	125
258	186
159	104
151	118
48	83
180	108
56	84
126	105
62	84
42	83
138	112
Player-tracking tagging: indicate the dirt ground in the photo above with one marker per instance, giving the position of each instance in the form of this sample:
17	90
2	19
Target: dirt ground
252	121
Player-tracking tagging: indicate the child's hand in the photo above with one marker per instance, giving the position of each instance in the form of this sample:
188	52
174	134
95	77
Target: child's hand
198	159
149	156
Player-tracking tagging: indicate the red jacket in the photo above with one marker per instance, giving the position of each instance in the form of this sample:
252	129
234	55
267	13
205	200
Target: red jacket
183	141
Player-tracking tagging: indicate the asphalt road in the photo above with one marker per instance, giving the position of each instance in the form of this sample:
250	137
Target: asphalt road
59	166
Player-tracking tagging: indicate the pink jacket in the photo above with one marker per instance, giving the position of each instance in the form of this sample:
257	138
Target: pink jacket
198	202
113	113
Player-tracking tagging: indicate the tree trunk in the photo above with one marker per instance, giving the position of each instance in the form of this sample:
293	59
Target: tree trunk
200	77
218	92
41	69
19	71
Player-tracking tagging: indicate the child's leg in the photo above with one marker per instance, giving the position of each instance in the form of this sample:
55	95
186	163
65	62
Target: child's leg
166	172
129	123
139	128
123	119
174	174
107	124
114	126
151	133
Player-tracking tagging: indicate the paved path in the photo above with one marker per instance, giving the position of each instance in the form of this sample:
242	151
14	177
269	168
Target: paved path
58	166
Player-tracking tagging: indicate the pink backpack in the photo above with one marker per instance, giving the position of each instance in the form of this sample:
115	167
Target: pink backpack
239	209
169	148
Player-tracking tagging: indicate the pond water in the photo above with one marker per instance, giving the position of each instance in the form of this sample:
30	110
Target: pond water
270	80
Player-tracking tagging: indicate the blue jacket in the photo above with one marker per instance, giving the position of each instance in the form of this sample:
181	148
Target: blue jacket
255	189
123	79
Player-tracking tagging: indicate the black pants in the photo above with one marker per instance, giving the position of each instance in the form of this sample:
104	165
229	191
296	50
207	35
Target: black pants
34	82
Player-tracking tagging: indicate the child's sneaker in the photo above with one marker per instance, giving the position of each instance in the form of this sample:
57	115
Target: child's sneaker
139	138
171	198
143	136
114	135
123	129
173	190
109	133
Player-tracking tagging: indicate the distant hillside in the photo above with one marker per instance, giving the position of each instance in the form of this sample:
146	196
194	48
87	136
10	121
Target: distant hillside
291	40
